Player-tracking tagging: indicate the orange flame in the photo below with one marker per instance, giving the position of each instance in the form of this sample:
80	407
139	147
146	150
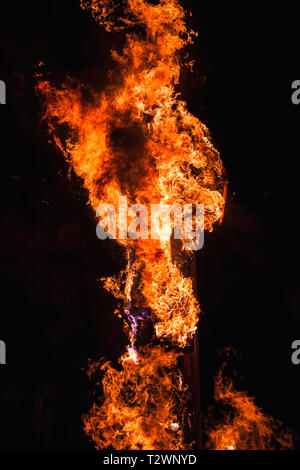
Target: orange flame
143	406
137	139
244	425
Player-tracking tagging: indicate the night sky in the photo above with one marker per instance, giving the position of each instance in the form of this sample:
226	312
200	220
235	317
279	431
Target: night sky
55	314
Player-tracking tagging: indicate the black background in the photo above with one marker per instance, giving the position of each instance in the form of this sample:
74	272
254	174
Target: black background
54	313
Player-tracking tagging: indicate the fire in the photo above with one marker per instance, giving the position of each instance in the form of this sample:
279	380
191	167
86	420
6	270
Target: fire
136	139
244	426
143	406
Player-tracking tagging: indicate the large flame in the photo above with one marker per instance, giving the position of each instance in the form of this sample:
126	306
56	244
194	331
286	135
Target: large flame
137	139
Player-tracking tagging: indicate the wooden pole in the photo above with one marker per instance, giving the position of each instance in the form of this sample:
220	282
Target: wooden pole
191	370
191	358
